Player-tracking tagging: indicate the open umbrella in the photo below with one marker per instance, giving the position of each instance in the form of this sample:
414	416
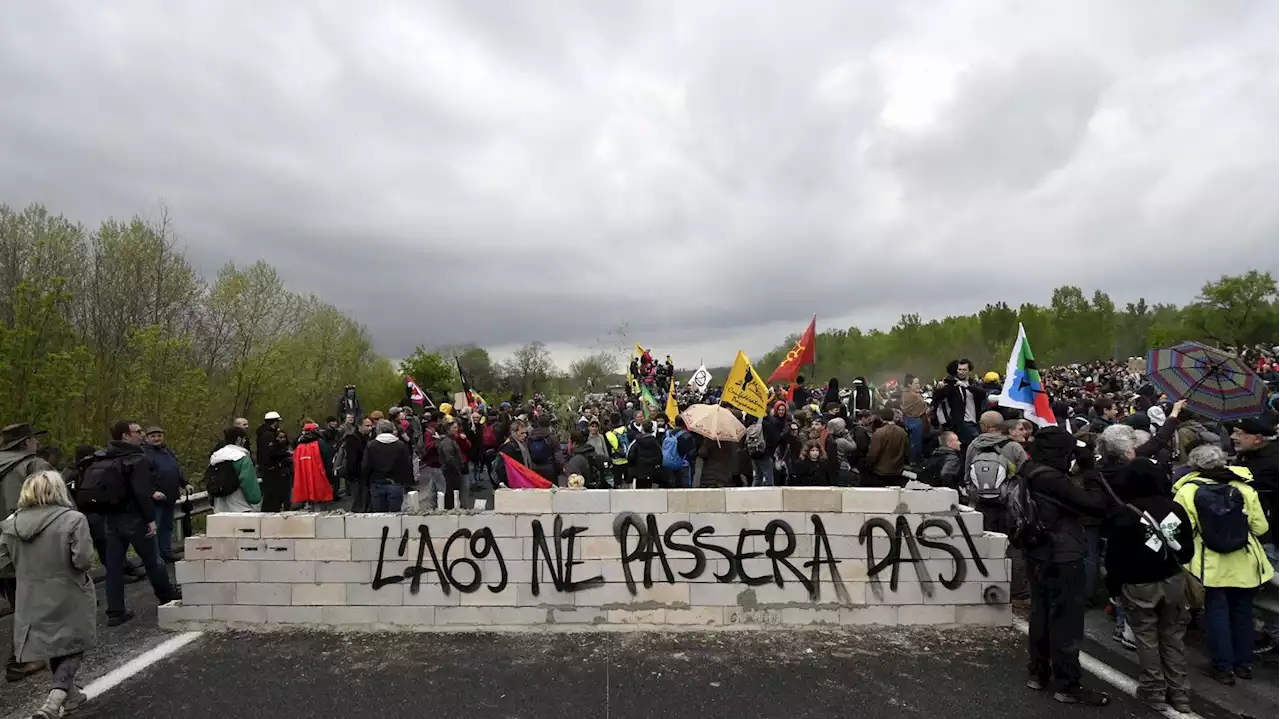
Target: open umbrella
713	422
1215	384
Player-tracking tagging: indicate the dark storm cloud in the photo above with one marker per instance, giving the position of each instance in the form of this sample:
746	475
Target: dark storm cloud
709	173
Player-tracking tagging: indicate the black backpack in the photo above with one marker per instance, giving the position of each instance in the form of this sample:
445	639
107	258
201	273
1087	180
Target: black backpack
221	479
103	487
1224	526
1022	513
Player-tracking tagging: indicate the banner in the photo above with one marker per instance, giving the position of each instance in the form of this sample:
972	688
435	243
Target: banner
673	410
416	395
744	389
801	354
700	380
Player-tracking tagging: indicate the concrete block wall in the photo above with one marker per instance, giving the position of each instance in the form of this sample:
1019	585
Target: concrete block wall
706	558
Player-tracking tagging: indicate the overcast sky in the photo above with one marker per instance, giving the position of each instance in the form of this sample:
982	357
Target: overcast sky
710	172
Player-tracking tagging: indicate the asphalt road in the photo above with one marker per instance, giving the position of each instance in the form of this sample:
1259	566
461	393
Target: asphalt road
886	674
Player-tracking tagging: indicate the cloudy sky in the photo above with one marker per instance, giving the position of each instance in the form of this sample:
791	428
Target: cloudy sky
710	172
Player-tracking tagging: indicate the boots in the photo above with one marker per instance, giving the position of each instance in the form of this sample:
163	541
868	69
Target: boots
52	707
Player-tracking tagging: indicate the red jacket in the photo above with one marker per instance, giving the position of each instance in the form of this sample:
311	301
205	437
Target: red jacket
310	483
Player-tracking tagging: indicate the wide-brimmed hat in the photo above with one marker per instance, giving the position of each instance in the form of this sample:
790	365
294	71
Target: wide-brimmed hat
16	434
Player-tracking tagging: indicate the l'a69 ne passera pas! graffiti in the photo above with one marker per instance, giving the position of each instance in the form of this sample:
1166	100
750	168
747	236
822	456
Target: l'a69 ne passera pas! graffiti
641	541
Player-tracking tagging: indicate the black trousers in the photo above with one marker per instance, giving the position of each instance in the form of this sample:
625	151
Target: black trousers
1057	622
275	493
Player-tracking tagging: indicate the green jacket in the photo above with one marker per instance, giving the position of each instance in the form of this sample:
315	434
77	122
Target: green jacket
56	607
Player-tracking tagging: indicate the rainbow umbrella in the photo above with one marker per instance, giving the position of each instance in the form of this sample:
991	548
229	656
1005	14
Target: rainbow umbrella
1214	383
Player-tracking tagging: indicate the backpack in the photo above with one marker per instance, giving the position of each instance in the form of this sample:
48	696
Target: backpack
103	487
1022	514
540	451
755	440
989	471
339	462
671	458
931	472
1224	526
221	479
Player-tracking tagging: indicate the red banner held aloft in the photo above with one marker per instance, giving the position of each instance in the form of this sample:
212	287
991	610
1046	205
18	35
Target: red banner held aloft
801	354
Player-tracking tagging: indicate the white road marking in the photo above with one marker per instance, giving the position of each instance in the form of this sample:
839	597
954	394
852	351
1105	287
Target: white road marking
117	676
1110	675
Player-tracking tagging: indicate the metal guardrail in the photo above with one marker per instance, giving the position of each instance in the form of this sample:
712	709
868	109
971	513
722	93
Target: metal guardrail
201	503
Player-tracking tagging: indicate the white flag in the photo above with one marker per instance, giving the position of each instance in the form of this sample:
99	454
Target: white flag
700	380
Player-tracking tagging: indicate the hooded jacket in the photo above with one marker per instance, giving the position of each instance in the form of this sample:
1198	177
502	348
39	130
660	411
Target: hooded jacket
1245	568
988	441
15	466
842	452
1060	502
387	458
250	492
1129	558
310	480
55	608
585	462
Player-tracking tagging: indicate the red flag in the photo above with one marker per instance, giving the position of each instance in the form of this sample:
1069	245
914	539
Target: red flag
800	355
521	477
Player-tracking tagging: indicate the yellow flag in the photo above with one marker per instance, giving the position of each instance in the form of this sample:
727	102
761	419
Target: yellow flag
672	409
744	389
639	351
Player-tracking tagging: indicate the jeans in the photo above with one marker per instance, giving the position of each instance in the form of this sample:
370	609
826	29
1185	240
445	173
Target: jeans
386	496
164	528
1158	616
434	486
915	435
763	471
1057	622
64	670
461	483
1228	616
124	531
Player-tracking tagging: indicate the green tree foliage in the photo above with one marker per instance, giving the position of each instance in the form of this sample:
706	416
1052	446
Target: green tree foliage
1074	327
436	375
96	325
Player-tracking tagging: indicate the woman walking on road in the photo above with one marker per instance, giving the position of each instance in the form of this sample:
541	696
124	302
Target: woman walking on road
47	543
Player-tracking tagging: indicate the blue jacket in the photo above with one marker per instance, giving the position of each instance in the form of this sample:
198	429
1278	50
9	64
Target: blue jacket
166	475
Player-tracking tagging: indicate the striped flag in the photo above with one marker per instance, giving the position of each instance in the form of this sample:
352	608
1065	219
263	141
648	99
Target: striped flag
1023	388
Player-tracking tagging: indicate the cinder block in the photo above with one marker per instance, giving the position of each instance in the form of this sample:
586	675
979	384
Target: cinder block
547	596
289	525
719	595
637	616
322	550
812	499
579	615
287	572
518	616
800	616
611	595
319	594
196	548
262	594
596	547
466	616
926	501
370	526
993	615
278	550
757	616
997	545
696	500
344	572
205	593
913	614
697	616
860	616
429	594
333	526
753	499
972	520
407	616
412	501
522	501
231	570
870	500
500	525
440	526
251	550
482	597
294	615
188	571
583	501
723	525
169	615
366	595
346	616
640	501
907	592
240	614
966	593
236	525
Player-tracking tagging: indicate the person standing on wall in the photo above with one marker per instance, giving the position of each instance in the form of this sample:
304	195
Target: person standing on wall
117	484
46	543
958	400
387	469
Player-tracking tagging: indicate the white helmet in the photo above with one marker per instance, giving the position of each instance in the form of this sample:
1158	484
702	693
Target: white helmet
271	416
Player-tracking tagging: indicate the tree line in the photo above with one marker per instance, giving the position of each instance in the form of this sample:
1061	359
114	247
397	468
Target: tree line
112	322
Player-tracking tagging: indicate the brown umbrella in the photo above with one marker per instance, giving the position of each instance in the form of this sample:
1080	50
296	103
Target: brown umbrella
713	422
